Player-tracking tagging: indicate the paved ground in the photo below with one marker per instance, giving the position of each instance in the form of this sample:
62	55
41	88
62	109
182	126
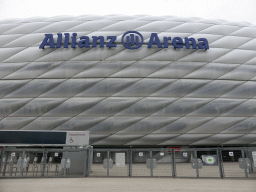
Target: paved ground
126	185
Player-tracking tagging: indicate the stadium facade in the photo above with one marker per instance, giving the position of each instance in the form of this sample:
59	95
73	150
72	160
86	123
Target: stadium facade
172	93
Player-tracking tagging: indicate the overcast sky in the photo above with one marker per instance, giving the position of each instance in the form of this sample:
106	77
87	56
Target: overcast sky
231	10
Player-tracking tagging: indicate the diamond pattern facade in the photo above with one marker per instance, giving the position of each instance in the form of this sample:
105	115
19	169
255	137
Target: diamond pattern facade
131	97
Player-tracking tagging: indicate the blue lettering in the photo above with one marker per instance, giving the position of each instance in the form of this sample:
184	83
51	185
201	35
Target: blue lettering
112	40
204	44
177	42
166	41
156	41
84	42
132	41
193	43
66	40
94	41
73	44
48	40
58	45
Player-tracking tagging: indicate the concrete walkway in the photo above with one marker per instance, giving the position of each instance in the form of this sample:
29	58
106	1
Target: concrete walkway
126	185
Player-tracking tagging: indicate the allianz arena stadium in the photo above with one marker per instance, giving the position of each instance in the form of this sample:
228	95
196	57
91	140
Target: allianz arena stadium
192	81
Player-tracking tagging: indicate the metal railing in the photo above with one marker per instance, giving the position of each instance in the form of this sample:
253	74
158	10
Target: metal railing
34	162
184	162
224	162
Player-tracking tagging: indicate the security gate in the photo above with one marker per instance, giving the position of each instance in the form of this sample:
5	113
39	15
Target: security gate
190	162
44	162
110	163
136	162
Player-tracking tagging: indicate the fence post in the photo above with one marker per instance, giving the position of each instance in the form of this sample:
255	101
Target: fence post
65	163
5	162
108	163
1	160
223	170
151	163
86	162
220	163
173	164
197	171
89	153
11	167
245	169
249	156
44	162
21	163
130	162
90	160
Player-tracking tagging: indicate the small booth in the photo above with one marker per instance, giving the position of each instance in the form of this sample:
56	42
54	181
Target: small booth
44	153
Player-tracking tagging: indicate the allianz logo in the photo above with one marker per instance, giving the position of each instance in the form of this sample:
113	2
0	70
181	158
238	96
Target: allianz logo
130	40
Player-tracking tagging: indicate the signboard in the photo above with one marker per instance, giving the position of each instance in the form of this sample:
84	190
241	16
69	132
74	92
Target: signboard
120	159
77	138
44	138
175	149
185	154
231	153
98	154
13	154
161	153
210	160
130	40
56	154
141	154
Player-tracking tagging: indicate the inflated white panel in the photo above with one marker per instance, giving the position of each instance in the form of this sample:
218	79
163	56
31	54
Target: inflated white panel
217	125
32	70
14	123
230	42
220	29
177	70
185	139
26	54
205	55
183	125
7	26
6	39
250	45
9	68
190	27
59	27
236	56
217	139
27	28
211	71
245	32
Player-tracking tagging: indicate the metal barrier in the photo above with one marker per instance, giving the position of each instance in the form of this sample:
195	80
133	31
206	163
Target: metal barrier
190	162
140	162
44	162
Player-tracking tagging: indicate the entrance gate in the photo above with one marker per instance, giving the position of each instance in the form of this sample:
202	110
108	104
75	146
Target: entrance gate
139	162
190	162
44	162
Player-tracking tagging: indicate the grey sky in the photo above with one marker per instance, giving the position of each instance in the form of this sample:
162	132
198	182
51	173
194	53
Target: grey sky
231	10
